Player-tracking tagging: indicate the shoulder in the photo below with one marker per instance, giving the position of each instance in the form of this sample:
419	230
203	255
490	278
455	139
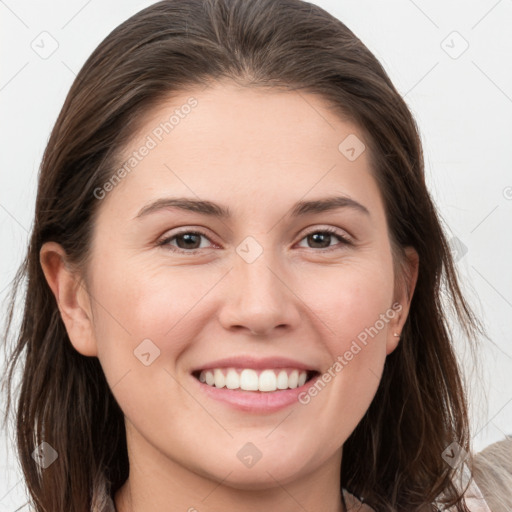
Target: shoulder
473	498
354	504
102	501
109	505
492	473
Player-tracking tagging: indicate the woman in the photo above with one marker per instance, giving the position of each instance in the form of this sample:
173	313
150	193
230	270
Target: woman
258	369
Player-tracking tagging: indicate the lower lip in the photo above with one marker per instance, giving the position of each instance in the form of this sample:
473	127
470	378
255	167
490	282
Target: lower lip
256	401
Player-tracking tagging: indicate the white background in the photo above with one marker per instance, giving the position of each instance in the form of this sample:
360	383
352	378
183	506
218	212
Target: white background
463	106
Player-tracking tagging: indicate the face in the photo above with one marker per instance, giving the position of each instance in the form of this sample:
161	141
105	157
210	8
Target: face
279	283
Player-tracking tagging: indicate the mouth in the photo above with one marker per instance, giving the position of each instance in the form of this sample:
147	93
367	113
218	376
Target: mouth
255	380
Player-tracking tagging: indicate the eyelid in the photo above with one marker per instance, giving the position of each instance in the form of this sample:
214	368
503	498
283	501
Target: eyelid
345	239
330	229
164	239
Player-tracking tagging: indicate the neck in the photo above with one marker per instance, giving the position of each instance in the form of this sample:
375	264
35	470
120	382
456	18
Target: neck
157	482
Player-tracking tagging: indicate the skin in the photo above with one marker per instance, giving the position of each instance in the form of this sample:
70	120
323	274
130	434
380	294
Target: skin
256	152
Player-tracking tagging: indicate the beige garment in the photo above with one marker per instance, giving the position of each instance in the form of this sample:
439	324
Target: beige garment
106	504
475	500
353	504
473	497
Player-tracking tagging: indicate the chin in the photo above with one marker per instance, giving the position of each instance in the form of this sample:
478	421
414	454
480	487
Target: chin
256	479
262	475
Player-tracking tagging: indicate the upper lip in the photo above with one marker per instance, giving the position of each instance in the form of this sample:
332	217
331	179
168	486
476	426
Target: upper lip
254	363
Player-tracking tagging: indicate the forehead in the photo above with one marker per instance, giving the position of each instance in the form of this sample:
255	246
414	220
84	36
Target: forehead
240	143
225	112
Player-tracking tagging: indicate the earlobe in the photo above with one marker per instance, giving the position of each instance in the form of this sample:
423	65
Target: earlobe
71	296
393	341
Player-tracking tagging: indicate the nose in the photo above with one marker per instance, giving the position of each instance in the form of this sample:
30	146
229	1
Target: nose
259	298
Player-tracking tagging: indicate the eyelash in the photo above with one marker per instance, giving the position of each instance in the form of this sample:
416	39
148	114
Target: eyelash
331	231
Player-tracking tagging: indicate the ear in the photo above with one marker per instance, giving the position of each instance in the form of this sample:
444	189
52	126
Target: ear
403	296
71	296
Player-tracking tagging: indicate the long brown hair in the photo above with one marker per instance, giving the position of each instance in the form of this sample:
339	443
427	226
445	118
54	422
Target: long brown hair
393	459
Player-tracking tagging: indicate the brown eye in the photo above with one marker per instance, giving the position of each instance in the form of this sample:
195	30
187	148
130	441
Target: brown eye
186	241
321	239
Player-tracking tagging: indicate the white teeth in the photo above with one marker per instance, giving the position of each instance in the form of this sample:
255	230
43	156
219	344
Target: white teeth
249	380
220	380
282	380
267	381
293	379
209	379
232	379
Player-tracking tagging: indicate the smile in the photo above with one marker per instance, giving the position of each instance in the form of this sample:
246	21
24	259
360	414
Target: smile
249	379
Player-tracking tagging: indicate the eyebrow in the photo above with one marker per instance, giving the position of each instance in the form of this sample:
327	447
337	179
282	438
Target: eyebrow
212	209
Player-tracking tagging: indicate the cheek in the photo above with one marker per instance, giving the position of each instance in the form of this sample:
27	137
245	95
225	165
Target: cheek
349	299
353	308
139	302
144	320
